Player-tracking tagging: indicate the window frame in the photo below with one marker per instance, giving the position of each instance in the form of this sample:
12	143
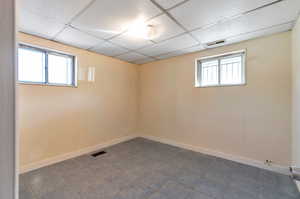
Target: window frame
198	69
46	53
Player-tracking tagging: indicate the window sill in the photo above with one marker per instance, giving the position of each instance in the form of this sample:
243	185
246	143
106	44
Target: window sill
43	84
223	85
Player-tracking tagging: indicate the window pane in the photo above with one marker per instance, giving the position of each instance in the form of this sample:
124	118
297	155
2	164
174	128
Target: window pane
60	69
31	65
209	73
231	70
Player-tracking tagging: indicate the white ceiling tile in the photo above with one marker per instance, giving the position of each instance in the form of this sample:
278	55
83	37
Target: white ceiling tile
165	28
77	38
107	17
166	4
58	10
259	19
131	56
37	25
193	49
183	41
169	55
181	52
195	14
261	33
109	49
144	61
97	32
130	42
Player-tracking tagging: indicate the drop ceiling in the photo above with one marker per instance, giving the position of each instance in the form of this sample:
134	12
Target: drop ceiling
183	26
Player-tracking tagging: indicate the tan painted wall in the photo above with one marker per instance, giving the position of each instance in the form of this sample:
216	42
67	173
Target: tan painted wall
57	120
251	121
296	94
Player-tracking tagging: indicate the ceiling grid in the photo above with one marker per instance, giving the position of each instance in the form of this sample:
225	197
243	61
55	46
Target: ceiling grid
185	25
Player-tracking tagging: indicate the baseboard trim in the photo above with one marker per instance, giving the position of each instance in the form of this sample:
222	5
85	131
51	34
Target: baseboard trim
275	168
298	184
66	156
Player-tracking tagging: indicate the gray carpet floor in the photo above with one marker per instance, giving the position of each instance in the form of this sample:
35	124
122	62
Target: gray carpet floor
143	169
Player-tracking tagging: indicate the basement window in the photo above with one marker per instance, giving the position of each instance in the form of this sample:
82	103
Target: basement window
222	70
46	67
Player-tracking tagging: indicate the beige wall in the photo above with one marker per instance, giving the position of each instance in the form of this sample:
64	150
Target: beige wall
57	120
251	121
296	94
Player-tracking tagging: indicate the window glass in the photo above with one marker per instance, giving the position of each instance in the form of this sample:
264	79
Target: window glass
42	66
31	65
59	69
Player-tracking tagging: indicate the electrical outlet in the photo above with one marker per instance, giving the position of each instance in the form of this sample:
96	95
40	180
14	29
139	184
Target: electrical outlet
269	162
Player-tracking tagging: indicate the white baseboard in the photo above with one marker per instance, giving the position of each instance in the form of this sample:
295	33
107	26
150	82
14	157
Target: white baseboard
298	184
243	160
66	156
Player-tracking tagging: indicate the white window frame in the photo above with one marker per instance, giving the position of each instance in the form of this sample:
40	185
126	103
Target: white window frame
53	52
198	69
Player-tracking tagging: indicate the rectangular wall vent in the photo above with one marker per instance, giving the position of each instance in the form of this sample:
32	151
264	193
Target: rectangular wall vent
98	153
215	43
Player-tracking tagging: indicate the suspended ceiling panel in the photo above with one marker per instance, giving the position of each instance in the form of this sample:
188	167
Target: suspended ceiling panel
261	33
144	61
253	21
127	41
109	49
165	27
170	45
132	56
58	10
167	4
196	14
107	18
39	25
181	26
77	38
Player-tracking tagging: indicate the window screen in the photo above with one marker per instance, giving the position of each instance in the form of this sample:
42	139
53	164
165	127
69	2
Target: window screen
228	69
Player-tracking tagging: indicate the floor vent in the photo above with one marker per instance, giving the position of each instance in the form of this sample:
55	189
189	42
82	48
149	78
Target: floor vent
98	153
